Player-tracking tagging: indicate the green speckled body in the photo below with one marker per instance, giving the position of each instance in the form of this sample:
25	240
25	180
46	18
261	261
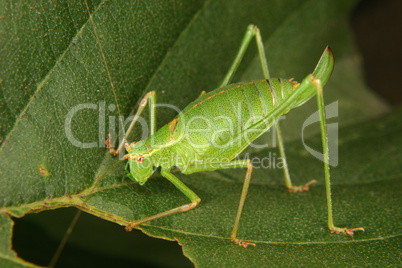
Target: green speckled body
220	124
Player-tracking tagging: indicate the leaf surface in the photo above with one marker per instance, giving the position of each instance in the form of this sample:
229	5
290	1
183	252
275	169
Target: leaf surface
180	49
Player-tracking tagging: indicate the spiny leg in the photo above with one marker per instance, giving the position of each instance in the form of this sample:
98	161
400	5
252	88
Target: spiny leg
225	165
288	182
291	188
324	139
151	97
251	31
240	208
195	200
308	84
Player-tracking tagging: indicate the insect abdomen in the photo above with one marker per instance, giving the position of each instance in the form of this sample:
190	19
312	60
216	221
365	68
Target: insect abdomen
223	114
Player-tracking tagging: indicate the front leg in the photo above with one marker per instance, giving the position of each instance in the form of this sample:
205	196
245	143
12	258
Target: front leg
149	97
195	200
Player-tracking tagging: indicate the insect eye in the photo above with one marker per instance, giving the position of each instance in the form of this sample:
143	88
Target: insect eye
140	159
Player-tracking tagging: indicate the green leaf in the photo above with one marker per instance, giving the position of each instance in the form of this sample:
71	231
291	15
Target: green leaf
53	58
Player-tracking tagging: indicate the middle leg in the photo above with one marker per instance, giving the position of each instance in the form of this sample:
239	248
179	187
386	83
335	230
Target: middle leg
253	31
225	165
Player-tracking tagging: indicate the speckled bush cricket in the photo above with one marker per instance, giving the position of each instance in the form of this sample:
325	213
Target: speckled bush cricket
220	124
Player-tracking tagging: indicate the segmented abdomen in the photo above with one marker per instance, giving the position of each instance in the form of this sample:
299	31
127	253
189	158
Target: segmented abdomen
221	116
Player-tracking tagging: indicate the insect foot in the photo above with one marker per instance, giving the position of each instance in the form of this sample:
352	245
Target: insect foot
348	231
301	188
109	146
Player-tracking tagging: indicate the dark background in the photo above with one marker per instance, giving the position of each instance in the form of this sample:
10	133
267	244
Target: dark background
377	27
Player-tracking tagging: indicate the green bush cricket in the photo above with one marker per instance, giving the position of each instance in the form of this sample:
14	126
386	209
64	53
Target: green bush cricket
212	130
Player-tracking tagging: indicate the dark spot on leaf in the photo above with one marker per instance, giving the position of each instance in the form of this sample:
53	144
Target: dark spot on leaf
43	171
